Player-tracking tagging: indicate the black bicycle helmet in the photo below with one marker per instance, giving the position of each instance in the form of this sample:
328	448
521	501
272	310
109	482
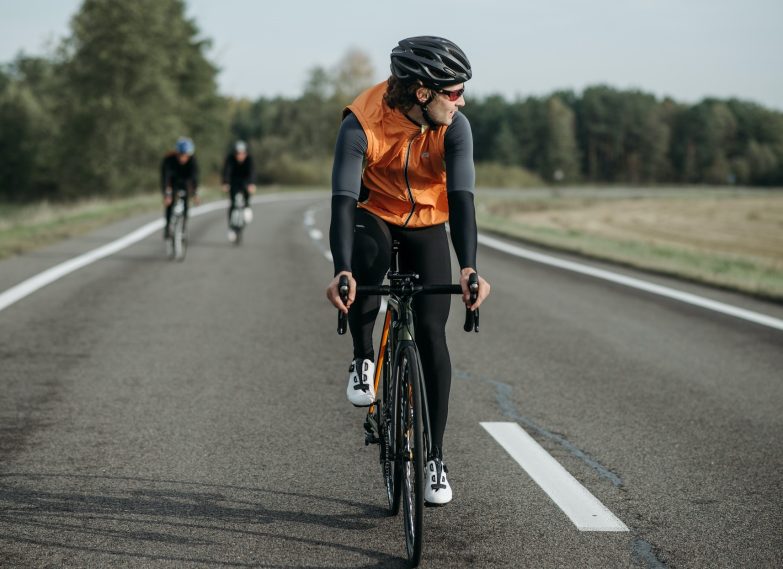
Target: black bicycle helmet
434	61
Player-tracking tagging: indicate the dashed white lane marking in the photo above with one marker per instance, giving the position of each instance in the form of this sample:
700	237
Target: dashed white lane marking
29	286
639	284
583	509
317	236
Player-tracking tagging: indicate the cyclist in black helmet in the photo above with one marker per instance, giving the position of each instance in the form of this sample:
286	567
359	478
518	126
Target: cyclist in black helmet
403	167
238	178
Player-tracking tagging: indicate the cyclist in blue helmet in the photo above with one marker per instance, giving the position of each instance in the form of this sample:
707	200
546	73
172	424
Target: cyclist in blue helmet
179	171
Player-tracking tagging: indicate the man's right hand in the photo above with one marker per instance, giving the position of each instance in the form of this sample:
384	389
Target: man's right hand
225	188
333	293
167	198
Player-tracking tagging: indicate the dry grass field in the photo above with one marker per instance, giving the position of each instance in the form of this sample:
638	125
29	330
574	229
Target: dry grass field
731	239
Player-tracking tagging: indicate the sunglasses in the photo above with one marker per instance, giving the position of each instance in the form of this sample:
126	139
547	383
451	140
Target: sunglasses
451	95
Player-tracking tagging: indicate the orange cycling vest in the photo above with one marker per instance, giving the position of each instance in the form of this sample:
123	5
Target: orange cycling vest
405	171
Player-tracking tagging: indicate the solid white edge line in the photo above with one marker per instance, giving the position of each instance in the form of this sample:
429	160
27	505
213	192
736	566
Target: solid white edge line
639	284
582	508
29	286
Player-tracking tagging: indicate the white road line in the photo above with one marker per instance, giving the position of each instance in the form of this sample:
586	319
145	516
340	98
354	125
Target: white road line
583	509
686	297
29	286
316	235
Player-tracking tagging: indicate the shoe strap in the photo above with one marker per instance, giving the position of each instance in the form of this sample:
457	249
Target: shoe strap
361	385
439	468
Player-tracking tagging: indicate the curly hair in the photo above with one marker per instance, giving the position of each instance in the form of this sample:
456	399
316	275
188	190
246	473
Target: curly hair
401	95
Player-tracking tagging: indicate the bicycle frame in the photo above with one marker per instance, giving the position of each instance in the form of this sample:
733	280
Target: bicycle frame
403	395
399	329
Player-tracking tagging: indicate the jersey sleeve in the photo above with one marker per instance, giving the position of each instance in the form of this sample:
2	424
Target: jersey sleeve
458	142
349	153
460	184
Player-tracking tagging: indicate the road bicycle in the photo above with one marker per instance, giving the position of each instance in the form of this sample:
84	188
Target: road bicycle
398	422
237	218
177	243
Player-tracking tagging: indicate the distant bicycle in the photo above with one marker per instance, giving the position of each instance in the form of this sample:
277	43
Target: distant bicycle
399	421
239	217
176	245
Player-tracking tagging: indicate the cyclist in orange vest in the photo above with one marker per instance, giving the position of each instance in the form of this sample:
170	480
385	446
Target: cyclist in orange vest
403	167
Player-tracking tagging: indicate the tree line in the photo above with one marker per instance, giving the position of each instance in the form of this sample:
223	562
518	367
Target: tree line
96	116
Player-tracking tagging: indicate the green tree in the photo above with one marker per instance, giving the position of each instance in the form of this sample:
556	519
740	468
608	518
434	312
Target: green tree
29	129
135	78
561	153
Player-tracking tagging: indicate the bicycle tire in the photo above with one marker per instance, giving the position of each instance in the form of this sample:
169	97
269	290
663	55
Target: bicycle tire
387	415
411	450
170	245
178	240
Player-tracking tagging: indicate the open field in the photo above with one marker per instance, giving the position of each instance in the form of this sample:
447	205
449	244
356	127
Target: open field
728	238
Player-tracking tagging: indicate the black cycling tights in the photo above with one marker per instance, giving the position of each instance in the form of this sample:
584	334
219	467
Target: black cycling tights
424	251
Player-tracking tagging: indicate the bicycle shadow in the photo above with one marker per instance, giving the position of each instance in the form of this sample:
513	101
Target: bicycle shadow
141	520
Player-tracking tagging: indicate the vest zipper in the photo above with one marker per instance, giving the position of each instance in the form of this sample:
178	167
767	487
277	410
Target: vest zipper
407	182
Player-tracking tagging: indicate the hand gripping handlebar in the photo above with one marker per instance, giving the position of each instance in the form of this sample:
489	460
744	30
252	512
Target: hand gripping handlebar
471	316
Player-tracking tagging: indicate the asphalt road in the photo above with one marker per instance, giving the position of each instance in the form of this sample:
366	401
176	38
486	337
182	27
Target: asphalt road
155	414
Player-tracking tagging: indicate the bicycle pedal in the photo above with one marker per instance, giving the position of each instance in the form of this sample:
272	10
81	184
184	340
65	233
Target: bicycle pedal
371	439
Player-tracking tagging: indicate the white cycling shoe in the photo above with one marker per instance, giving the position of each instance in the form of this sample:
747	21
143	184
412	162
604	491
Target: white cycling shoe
361	383
232	235
437	491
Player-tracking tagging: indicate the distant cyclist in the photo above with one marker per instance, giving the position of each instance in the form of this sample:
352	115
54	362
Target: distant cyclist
238	177
403	167
179	171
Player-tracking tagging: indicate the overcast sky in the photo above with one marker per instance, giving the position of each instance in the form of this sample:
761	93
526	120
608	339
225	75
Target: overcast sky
686	49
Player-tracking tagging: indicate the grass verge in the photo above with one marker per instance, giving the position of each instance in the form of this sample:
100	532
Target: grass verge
726	239
31	226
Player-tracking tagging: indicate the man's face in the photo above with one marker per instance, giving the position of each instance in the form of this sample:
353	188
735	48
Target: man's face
183	158
240	156
441	110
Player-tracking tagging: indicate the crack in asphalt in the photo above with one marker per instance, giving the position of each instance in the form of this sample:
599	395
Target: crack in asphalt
508	408
641	549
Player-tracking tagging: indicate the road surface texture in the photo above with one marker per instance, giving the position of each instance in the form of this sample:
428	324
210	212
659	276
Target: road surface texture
161	414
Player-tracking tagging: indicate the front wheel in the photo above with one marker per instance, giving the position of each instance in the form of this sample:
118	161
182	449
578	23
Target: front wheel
388	420
178	243
411	452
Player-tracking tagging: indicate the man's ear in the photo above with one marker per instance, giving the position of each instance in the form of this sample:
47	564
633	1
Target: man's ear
422	94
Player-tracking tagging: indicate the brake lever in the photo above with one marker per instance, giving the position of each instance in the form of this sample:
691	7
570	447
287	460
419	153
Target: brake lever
472	316
342	319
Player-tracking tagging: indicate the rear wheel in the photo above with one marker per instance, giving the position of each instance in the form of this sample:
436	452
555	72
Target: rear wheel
411	450
237	219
